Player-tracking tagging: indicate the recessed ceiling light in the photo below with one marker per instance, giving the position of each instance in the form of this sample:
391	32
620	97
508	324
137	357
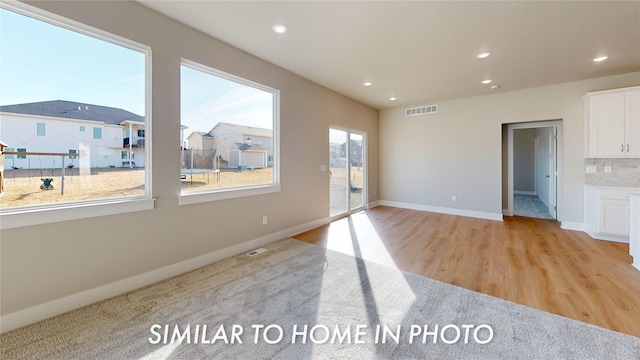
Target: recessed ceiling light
368	83
486	81
392	99
280	29
601	58
483	55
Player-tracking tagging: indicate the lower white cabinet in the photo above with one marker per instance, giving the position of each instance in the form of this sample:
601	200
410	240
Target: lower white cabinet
607	212
613	215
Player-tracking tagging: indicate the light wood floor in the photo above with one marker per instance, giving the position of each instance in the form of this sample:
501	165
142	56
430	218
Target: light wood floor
528	261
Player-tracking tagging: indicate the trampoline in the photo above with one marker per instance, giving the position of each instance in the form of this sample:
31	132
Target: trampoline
191	172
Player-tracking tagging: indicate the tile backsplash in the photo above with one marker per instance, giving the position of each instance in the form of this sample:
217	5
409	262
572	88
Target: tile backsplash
624	172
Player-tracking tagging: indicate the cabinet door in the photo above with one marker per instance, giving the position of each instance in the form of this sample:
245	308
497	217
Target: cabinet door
632	124
613	217
607	125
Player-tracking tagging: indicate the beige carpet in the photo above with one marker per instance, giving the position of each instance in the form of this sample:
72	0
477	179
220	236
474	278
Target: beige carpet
296	284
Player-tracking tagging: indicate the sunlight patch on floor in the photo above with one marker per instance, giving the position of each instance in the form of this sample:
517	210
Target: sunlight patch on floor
355	235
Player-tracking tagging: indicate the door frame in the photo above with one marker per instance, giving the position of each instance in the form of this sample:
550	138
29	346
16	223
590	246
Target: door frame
559	188
365	171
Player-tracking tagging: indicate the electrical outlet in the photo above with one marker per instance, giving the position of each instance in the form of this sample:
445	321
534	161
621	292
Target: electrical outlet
607	169
454	198
591	169
323	167
265	220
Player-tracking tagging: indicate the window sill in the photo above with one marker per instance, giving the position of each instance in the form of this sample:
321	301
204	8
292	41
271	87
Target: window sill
73	211
200	197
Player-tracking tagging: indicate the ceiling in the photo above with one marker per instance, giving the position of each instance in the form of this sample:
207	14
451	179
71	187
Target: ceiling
423	52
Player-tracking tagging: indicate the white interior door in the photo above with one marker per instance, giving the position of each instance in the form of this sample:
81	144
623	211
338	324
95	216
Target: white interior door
553	178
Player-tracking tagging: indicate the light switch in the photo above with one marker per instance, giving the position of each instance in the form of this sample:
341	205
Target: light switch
607	169
591	169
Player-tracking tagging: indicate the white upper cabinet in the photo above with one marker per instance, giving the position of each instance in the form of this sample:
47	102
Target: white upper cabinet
613	123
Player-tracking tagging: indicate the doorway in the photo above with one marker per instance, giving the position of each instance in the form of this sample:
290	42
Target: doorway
347	165
534	169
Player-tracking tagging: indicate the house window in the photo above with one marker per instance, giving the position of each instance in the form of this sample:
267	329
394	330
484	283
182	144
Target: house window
9	156
229	121
97	133
124	155
73	51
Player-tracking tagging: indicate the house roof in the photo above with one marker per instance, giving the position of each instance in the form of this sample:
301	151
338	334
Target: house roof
247	147
248	130
74	110
201	133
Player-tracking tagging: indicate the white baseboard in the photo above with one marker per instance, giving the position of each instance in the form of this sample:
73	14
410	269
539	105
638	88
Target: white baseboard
569	225
636	264
519	192
40	312
444	210
614	238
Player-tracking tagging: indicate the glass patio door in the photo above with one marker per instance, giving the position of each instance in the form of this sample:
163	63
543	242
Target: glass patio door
347	171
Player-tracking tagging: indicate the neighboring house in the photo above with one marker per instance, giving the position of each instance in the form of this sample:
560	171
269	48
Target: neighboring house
337	155
240	145
355	149
199	140
106	136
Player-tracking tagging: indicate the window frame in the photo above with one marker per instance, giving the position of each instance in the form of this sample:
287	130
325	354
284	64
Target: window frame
57	212
200	196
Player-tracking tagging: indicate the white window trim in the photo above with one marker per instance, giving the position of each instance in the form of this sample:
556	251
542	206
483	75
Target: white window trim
57	212
195	197
20	217
228	193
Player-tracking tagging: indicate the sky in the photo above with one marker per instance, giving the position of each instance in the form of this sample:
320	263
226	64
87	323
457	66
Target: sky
43	62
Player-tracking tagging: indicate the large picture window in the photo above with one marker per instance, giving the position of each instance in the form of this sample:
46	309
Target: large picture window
229	133
59	76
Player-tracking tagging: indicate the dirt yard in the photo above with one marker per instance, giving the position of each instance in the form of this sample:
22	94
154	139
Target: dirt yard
22	187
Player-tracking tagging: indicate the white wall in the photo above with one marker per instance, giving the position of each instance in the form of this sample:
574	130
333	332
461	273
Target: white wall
458	151
48	262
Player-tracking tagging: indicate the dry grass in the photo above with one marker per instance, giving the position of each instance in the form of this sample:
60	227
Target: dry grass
22	188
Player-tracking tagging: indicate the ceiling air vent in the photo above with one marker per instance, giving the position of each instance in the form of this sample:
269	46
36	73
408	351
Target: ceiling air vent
422	110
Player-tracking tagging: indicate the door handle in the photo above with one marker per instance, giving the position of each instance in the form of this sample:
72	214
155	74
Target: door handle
622	147
547	176
627	147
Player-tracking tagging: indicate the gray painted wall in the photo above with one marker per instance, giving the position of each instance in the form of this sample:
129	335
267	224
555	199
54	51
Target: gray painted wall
48	262
524	160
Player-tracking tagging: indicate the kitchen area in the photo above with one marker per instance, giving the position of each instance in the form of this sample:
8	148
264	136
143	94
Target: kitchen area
612	167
